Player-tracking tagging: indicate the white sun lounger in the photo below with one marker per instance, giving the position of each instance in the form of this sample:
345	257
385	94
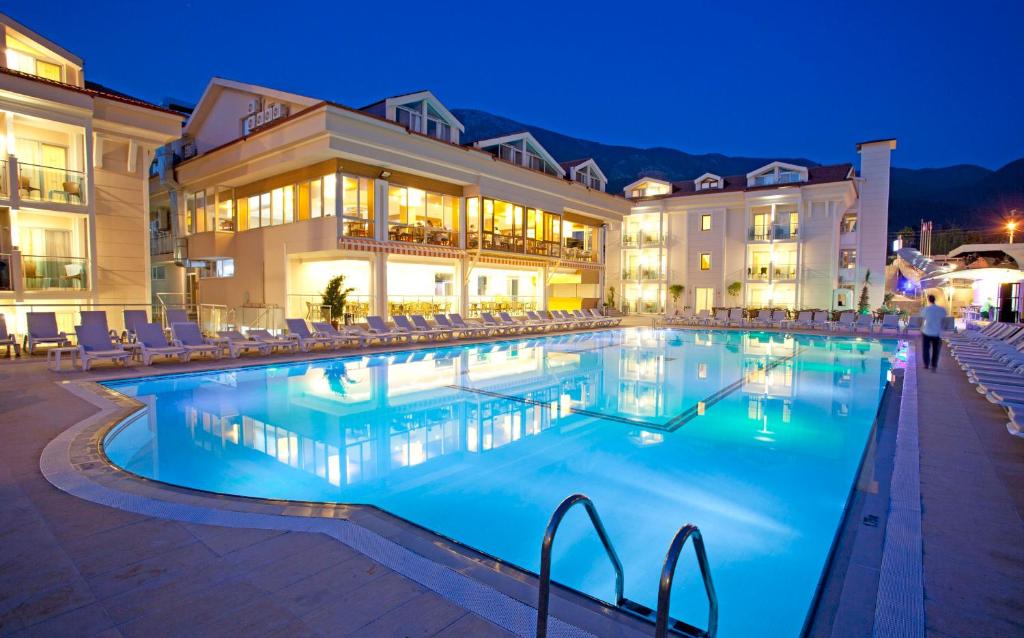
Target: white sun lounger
94	344
153	343
187	335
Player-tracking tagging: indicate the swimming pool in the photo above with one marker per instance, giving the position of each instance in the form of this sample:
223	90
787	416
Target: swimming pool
755	437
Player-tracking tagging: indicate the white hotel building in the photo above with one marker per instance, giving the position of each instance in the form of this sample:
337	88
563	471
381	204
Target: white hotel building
782	236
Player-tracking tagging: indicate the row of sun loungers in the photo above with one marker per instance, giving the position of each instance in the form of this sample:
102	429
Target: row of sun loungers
993	359
806	320
183	340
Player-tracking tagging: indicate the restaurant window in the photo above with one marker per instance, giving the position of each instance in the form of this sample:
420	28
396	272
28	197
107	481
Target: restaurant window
472	222
419	216
543	231
705	261
705	222
218	268
579	241
502	225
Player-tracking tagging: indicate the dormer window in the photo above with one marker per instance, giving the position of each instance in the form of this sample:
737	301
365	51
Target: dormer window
436	125
777	173
420	112
510	153
647	188
587	173
26	59
521	149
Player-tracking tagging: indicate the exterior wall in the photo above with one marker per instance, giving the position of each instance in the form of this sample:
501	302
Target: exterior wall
873	218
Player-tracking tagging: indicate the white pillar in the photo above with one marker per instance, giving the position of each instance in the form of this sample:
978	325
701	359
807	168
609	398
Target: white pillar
380	284
380	201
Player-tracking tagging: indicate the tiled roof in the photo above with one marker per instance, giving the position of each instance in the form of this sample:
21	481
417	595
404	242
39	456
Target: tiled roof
735	183
575	162
91	88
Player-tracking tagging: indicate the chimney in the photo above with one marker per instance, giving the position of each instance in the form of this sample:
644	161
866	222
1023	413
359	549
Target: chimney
873	217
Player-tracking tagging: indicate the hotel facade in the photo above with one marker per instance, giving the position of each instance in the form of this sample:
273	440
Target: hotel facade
73	184
269	195
780	236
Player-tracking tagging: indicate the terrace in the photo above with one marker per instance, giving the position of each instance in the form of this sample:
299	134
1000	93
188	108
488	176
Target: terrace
335	581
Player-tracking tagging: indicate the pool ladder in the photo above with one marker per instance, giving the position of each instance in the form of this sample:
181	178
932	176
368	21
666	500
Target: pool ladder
662	622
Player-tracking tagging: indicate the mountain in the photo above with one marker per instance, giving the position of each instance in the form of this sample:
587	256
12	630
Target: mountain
964	195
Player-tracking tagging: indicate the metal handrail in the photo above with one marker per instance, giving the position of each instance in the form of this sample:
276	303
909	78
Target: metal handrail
668	572
544	593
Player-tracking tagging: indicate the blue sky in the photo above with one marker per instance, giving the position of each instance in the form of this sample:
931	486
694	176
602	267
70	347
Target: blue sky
739	78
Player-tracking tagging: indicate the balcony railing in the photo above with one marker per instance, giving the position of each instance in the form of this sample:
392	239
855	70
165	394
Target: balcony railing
759	233
650	274
759	273
777	272
778	232
571	250
3	179
642	240
55	273
630	275
161	242
51	184
418	234
426	305
785	231
784	273
630	241
542	247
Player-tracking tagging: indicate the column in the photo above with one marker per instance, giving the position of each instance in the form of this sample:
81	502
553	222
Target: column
380	204
338	206
380	284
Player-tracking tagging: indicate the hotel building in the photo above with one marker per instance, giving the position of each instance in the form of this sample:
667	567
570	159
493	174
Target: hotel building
73	184
268	195
782	236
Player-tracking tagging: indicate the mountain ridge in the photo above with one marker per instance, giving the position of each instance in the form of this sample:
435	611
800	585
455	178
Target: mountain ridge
961	195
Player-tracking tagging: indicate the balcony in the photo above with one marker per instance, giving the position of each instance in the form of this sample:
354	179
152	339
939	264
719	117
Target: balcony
630	275
51	184
759	233
40	272
785	232
776	232
650	274
630	241
758	273
784	272
543	248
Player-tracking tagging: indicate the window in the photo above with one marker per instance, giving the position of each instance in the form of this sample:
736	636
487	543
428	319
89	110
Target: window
849	224
704	298
27	63
510	153
409	118
158	273
440	130
705	222
848	258
417	215
708	183
218	268
705	261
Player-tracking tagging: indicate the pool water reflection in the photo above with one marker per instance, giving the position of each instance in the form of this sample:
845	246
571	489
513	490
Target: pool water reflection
755	437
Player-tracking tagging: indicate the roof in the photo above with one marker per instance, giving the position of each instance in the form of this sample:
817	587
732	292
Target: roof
1015	251
41	40
391	97
93	89
890	140
738	183
575	162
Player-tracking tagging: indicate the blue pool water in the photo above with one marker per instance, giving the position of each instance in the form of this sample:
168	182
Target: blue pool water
755	437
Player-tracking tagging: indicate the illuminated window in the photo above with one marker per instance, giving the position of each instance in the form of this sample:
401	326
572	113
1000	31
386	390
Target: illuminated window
702	371
705	261
848	258
705	222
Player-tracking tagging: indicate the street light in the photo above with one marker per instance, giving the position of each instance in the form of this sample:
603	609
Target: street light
1011	226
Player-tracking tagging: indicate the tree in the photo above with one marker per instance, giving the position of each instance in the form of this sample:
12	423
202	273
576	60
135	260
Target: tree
676	290
864	303
734	289
334	296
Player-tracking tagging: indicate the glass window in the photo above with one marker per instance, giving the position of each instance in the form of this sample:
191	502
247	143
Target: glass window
705	222
705	261
330	195
848	258
316	201
225	216
49	71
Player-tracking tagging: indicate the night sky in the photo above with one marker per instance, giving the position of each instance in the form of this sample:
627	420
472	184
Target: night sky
741	78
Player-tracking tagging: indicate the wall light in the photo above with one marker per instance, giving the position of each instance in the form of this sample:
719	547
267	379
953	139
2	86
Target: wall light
385	174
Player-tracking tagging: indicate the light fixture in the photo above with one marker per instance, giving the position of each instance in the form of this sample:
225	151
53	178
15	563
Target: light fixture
385	174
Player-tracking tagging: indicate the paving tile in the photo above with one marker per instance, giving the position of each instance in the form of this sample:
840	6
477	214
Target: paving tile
299	565
360	607
53	602
161	566
473	625
121	546
182	619
224	540
424	615
330	585
84	621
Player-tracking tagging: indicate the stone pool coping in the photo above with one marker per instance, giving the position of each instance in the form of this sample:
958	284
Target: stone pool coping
503	594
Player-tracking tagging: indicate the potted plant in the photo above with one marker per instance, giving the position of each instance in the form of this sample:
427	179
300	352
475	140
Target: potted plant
610	300
676	290
864	303
334	297
734	289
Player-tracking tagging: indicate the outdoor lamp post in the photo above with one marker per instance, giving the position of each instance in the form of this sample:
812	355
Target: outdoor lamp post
1011	226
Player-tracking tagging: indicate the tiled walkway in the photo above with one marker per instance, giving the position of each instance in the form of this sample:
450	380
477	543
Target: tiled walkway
972	492
69	567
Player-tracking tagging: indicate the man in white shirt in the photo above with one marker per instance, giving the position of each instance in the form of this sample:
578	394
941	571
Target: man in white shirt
931	332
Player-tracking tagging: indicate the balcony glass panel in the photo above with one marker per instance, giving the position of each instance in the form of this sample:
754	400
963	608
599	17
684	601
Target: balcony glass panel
51	184
43	272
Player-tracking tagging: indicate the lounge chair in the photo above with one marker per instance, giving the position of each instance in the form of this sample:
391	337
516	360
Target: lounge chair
702	318
913	323
402	323
721	317
488	320
587	319
779	318
889	322
8	339
175	315
543	322
94	343
804	319
845	322
237	343
866	322
275	343
763	318
299	331
735	317
377	327
612	321
187	335
528	325
421	324
133	318
820	320
42	329
344	336
463	331
458	322
153	343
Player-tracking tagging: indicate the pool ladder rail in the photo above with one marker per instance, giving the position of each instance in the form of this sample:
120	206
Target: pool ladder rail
662	622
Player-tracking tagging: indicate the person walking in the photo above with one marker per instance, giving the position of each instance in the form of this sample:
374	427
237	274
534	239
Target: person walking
931	332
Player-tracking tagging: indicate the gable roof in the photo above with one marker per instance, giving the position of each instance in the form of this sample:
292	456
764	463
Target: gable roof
46	43
218	84
575	165
92	89
527	137
416	96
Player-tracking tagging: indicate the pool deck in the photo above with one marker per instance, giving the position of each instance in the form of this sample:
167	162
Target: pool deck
71	567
